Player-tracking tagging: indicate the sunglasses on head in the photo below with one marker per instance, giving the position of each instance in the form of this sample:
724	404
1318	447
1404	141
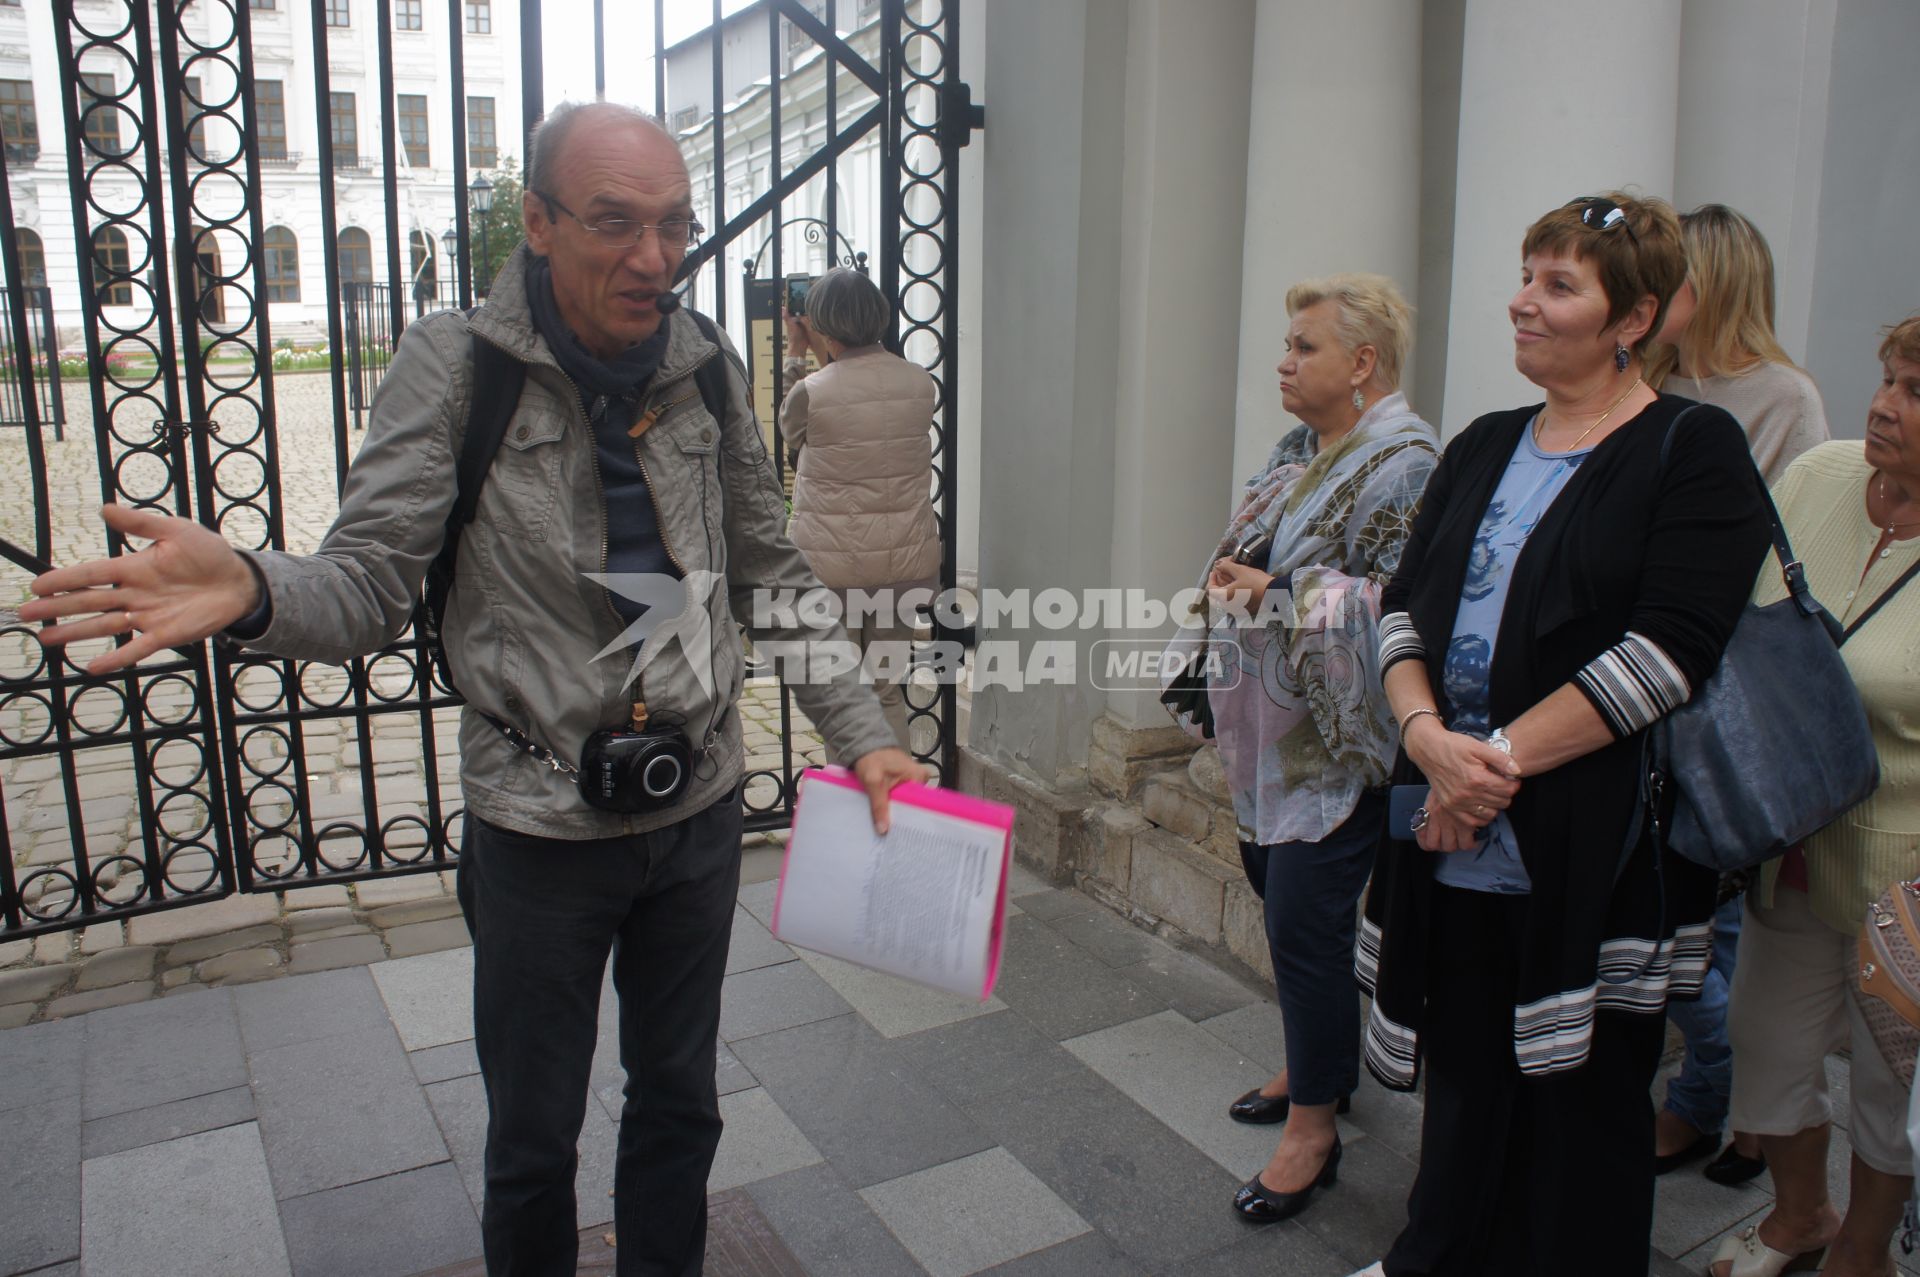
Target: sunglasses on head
1598	213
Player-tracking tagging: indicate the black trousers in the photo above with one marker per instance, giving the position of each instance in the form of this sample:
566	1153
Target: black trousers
1523	1176
544	914
1310	890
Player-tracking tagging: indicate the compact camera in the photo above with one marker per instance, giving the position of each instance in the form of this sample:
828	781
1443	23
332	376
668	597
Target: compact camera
635	771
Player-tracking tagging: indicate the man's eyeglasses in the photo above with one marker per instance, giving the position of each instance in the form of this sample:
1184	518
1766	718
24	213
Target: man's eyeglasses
619	233
1598	213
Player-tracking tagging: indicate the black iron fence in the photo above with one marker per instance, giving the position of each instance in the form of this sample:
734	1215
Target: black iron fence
205	771
42	361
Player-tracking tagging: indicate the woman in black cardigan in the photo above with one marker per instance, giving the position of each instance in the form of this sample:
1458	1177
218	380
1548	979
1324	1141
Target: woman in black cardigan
1563	587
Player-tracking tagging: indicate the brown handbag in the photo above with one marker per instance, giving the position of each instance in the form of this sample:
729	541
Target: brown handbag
1888	988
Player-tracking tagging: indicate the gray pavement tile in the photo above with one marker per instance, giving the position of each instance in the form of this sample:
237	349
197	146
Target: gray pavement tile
775	998
1053	902
460	1108
990	1209
1152	1194
759	1142
341	1109
157	1052
753	945
729	1074
1022	881
1662	1266
1280	1250
1192	986
190	1116
1186	1078
1360	1216
390	1227
1089	1255
438	1063
829	1228
303	1008
40	1184
189	1207
757	899
429	997
41	1062
1392	1117
978	1058
1255	1030
851	1092
1064	990
1689	1208
1108	936
598	1149
894	1006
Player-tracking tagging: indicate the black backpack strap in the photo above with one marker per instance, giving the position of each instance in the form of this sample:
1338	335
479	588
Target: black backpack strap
1880	602
494	397
711	377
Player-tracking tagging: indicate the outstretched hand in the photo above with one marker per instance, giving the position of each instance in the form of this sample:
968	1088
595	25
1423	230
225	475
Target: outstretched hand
187	585
879	771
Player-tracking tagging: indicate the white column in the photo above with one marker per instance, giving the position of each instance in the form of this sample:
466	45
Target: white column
1333	181
1556	101
1179	273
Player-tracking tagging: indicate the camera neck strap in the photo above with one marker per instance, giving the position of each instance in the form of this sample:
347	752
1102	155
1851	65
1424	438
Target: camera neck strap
527	745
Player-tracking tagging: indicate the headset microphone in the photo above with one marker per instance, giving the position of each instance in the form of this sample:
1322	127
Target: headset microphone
667	303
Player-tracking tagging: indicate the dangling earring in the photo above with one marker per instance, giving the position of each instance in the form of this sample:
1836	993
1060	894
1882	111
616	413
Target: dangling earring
1620	357
1359	400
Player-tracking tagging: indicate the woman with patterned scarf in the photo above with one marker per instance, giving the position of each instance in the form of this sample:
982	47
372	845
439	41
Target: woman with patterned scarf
1304	731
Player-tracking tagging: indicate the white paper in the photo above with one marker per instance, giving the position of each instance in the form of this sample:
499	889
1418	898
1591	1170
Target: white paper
920	902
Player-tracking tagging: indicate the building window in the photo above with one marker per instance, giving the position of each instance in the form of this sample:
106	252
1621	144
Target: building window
110	259
356	256
194	116
19	126
33	256
263	4
99	118
283	265
338	14
483	151
270	118
407	15
479	17
345	130
413	128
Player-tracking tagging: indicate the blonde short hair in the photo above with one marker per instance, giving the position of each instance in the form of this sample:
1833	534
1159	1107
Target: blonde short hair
1372	313
1731	269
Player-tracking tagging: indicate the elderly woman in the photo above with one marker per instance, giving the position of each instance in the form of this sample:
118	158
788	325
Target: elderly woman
1563	588
862	488
1717	346
1852	511
1303	728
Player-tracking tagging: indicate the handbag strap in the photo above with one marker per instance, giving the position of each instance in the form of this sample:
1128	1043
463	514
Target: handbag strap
1879	603
1791	572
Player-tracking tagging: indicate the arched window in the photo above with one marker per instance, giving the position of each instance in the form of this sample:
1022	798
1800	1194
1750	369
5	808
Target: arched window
33	257
423	271
283	265
356	256
111	265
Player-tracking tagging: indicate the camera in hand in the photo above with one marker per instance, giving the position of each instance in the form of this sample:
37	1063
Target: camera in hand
797	286
635	771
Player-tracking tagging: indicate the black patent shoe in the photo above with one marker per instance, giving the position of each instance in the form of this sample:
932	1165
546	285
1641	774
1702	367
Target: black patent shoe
1733	1167
1703	1145
1256	1109
1258	1204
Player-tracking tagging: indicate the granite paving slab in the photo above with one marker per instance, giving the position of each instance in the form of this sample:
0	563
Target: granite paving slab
892	1005
986	1210
1255	1030
341	1109
157	1052
829	1227
978	1058
460	1110
1049	903
850	1091
104	1135
1186	1078
438	1063
1088	1255
774	998
1107	936
1359	1217
1154	1195
757	899
1271	1250
759	1142
729	1074
1689	1208
753	945
41	1063
394	1226
40	1184
283	1013
1022	881
1064	990
189	1207
429	996
1192	986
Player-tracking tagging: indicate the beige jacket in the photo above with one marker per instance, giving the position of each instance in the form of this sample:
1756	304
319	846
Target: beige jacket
862	493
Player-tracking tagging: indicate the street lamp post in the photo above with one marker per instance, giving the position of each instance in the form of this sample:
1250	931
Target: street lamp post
450	243
482	192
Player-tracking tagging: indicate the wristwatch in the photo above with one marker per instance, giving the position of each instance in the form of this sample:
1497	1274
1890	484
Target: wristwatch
1500	742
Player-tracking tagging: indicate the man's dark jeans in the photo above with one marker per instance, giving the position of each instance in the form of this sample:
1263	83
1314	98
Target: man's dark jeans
544	914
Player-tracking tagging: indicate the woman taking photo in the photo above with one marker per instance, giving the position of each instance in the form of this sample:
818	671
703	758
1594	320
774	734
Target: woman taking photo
1304	732
1717	346
1852	511
1562	589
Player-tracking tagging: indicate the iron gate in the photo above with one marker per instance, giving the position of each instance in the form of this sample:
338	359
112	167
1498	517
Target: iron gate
207	771
34	346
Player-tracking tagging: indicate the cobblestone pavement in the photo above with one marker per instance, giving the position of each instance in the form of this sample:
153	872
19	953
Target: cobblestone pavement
248	937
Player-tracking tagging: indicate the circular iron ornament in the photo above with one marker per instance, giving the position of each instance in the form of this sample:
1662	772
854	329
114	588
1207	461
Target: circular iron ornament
100	710
761	792
245	524
214	11
159	690
273	855
119	880
389	668
32	708
340	830
143	350
240	476
266	751
450	838
142	477
177	764
256	678
312	673
52	883
184	816
412	856
107	8
179	861
22	657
